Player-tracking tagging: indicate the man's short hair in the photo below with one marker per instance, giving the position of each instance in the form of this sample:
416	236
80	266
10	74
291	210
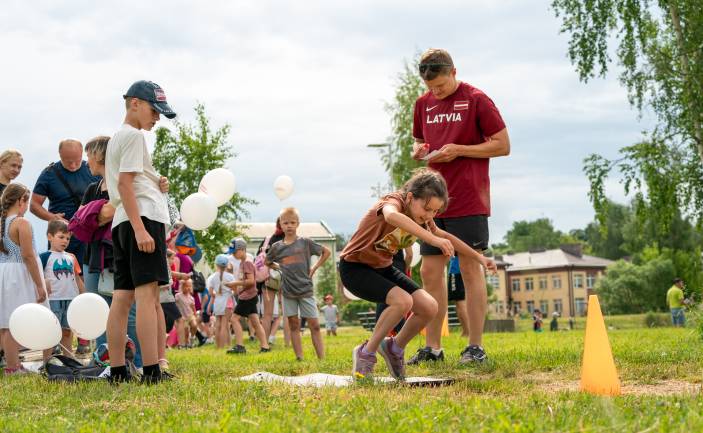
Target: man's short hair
435	62
289	212
69	141
57	226
678	280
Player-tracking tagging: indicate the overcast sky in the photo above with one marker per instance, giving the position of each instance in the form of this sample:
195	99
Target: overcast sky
303	85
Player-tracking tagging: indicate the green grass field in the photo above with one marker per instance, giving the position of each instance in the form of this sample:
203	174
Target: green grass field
529	385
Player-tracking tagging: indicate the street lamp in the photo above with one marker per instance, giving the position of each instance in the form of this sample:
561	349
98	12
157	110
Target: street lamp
387	146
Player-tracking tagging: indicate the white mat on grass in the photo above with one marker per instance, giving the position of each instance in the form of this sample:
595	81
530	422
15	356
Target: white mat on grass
322	379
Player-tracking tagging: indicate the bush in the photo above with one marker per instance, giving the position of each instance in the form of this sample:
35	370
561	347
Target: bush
656	320
349	311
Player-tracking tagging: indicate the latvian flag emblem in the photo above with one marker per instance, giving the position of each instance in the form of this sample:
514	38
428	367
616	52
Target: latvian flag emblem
461	105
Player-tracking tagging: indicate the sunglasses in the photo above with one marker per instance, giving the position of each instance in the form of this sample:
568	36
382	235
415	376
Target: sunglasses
432	67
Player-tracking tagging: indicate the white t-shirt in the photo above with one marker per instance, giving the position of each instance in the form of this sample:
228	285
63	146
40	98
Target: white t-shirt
213	282
127	153
236	263
60	271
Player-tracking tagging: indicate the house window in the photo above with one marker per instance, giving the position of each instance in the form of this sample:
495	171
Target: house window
543	282
578	281
494	281
556	282
516	285
557	306
517	307
530	307
590	281
529	284
544	306
580	306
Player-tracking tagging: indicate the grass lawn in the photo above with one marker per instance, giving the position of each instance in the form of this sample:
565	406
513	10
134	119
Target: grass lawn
530	384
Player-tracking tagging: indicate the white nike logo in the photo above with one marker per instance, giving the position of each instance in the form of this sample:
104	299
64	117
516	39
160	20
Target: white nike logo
431	108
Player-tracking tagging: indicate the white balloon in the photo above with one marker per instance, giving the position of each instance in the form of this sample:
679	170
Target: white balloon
87	315
283	187
198	211
416	255
218	184
35	327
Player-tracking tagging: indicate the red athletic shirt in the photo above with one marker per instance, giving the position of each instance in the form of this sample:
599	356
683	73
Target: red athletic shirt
465	117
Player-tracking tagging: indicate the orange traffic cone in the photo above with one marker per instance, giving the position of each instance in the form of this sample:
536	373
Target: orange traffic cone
445	328
598	372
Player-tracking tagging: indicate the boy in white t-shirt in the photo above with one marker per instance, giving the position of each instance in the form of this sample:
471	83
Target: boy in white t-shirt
138	230
61	272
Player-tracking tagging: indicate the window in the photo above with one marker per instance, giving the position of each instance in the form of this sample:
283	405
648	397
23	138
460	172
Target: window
590	281
516	285
580	306
517	307
499	307
557	306
544	307
543	282
494	281
530	307
578	281
556	282
529	284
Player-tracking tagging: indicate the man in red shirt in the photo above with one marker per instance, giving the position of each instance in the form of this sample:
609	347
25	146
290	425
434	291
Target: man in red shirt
457	129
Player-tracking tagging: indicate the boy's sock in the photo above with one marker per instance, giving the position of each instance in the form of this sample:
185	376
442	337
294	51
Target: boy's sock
119	374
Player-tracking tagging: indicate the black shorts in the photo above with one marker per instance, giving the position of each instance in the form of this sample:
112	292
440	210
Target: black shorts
205	317
134	268
246	307
472	230
171	314
455	287
373	284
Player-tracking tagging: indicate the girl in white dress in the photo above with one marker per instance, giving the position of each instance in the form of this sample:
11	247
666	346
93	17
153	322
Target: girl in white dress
21	279
220	285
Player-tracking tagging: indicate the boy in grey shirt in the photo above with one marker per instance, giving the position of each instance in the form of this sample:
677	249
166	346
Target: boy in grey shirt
331	313
292	256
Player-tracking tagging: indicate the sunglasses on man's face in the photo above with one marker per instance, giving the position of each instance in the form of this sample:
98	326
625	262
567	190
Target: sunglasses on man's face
433	67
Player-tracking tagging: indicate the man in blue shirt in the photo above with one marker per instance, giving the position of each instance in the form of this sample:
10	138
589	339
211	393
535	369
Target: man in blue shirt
63	183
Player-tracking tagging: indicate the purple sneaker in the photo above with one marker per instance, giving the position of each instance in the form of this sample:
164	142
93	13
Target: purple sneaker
395	362
363	363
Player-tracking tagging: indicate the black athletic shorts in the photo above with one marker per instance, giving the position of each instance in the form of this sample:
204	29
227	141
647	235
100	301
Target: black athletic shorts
171	314
472	230
134	268
246	307
373	284
455	287
205	317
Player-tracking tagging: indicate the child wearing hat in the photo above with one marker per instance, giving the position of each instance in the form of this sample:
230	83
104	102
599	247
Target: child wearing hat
220	285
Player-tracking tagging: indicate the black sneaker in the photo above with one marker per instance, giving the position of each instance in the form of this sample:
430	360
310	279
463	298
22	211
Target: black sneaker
471	354
425	354
237	350
264	349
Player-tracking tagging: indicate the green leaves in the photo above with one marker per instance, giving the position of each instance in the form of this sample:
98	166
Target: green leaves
184	156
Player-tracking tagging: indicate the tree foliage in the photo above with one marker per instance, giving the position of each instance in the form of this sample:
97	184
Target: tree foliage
659	45
409	86
327	281
184	156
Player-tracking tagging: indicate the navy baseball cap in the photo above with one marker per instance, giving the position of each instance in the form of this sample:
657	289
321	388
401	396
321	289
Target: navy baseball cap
153	94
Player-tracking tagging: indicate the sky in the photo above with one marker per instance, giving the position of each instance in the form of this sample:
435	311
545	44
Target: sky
303	86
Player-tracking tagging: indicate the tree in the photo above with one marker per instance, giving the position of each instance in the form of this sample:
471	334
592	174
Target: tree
327	281
531	235
609	243
659	47
184	156
398	160
629	288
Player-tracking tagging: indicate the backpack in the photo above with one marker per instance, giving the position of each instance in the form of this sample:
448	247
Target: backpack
65	369
199	283
84	223
185	242
261	271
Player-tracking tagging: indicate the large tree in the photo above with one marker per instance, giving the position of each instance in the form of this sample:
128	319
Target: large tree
659	47
184	156
397	158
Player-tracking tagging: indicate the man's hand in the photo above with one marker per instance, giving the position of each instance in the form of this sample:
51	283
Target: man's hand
163	184
145	242
420	150
447	153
